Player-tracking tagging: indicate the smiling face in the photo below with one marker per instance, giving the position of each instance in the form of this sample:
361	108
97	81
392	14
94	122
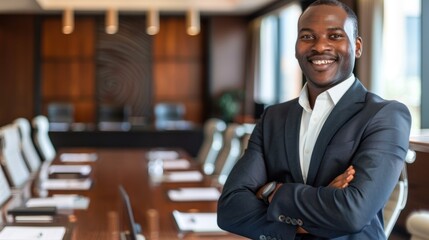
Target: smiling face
326	47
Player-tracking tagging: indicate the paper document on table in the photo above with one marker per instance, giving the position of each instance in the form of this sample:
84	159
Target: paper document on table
66	184
60	201
162	154
197	222
183	176
77	169
32	233
78	157
194	194
176	164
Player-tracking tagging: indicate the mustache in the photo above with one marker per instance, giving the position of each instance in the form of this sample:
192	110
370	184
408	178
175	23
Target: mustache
321	56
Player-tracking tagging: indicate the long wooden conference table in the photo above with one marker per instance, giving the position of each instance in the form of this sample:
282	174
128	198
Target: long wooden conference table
151	205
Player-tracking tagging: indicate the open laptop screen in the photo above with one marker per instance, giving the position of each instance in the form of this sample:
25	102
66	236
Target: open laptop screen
129	230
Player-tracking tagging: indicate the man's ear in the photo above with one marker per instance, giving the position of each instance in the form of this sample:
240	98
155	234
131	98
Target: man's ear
359	47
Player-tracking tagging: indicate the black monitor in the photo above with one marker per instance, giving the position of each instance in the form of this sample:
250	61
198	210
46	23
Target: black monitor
129	229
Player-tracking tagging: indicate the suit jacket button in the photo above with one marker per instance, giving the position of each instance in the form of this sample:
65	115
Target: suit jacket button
299	222
262	237
282	218
288	220
294	221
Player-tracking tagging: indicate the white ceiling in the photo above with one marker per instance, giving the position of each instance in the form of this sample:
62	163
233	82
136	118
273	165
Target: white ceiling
205	6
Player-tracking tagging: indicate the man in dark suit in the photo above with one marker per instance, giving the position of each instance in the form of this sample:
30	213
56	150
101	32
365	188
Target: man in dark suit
321	166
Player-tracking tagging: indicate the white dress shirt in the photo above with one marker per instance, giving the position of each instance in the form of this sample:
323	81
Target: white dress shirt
313	120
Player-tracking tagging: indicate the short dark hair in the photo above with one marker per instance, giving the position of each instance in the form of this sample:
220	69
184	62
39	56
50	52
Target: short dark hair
350	13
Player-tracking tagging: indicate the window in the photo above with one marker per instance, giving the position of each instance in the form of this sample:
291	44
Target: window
401	68
279	77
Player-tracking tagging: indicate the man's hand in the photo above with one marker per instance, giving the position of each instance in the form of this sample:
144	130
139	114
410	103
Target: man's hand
340	182
343	180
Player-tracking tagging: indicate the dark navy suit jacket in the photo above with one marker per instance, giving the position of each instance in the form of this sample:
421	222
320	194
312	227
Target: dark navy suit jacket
363	130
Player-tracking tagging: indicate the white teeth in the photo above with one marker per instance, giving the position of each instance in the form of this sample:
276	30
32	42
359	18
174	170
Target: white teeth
321	62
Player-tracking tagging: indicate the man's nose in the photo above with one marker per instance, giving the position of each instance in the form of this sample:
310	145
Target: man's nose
322	44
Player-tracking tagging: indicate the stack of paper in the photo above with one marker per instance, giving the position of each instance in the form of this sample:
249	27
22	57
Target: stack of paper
76	169
60	201
66	184
78	157
183	176
197	222
162	154
194	194
32	233
176	164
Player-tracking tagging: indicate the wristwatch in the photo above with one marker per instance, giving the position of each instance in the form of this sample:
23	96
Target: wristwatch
268	190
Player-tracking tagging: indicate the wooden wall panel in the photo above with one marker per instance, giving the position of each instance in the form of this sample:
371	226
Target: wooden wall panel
68	67
78	44
16	67
68	80
179	67
173	42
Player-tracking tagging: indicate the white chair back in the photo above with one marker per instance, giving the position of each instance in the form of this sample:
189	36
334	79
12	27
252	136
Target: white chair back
231	151
41	138
27	147
212	144
12	159
398	198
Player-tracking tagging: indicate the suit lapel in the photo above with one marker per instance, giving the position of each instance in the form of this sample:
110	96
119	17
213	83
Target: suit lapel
293	123
348	106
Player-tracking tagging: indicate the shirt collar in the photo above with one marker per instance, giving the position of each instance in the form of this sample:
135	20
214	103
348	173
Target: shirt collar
335	92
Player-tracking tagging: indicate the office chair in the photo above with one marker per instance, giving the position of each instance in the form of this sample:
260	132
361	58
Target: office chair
26	144
248	129
12	161
417	225
398	198
60	115
5	195
114	117
41	138
230	152
169	115
212	143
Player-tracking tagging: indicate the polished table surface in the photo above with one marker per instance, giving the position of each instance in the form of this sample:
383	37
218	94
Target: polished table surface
420	141
128	167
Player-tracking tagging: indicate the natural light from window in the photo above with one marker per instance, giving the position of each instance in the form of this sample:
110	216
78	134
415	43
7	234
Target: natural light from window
401	55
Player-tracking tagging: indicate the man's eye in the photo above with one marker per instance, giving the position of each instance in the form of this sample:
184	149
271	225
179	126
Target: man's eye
307	37
336	36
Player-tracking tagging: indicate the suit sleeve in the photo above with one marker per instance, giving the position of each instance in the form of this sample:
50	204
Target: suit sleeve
239	210
378	160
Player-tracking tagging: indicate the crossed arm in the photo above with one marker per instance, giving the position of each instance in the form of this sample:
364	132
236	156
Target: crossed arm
341	181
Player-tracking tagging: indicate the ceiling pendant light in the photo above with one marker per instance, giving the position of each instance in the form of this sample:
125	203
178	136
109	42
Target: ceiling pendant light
193	22
111	21
152	20
68	21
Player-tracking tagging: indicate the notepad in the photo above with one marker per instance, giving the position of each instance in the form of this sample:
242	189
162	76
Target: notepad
194	194
66	184
76	169
176	164
60	201
183	176
78	157
162	154
197	222
32	233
